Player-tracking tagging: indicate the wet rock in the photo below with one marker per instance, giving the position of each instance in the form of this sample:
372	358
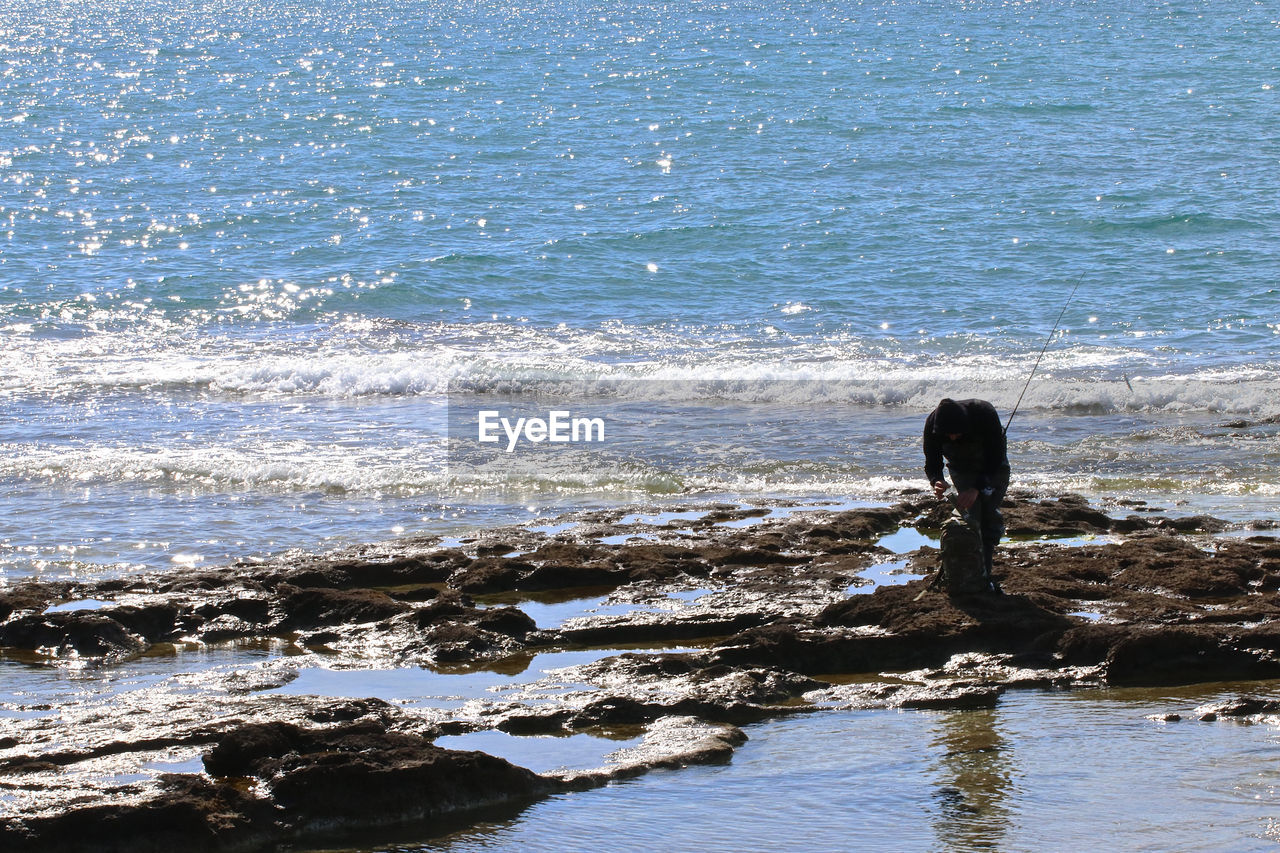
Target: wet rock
1131	524
455	642
1195	524
1161	607
566	554
556	722
948	696
506	620
241	750
444	607
349	710
651	561
415	594
861	524
1172	564
1242	707
940	626
720	516
154	622
1169	717
192	814
1182	655
617	711
80	633
396	570
561	576
310	782
1069	515
251	610
315	608
226	627
670	742
487	549
33	597
731	556
651	628
489	574
360	776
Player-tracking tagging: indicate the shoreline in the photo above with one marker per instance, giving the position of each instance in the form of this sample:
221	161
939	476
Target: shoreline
740	614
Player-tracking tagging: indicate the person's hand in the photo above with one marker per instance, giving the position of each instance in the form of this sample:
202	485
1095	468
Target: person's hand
939	488
966	499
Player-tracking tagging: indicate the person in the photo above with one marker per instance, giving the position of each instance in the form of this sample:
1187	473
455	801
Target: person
968	435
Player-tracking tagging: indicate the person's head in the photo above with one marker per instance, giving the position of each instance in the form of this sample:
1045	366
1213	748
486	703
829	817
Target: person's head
950	419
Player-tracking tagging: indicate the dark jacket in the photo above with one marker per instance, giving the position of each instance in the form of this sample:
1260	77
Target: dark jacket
981	452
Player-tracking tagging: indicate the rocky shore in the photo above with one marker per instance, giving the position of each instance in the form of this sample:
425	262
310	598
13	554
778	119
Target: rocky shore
733	614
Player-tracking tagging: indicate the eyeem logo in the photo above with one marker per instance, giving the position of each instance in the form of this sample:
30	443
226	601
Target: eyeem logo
559	426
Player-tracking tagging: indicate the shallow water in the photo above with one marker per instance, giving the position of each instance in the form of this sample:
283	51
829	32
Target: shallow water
440	688
1043	770
905	540
890	573
31	688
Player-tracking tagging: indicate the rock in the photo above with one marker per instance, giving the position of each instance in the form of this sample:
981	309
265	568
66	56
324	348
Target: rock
192	814
1238	708
948	696
1069	515
80	633
315	608
241	750
1157	608
1170	655
28	596
155	622
359	775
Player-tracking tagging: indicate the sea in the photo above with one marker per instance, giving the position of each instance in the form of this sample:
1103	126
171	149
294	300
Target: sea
255	257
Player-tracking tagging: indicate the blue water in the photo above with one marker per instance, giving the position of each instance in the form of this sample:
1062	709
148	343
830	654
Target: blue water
246	249
1041	771
255	257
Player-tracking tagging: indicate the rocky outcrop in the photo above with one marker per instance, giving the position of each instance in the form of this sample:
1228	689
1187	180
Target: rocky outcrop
744	617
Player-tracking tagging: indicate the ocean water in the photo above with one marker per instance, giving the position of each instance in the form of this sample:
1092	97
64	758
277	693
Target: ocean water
260	261
253	254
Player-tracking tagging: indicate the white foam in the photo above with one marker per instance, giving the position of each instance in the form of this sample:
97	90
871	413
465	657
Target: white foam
271	465
398	359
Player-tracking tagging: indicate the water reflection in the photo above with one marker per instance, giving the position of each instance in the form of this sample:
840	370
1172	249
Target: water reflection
974	772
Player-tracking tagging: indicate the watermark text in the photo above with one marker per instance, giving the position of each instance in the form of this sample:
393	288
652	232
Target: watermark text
559	426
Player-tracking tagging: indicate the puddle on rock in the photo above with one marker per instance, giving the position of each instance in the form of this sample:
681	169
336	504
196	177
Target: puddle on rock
906	540
552	529
1066	541
661	519
554	612
624	538
31	687
893	573
543	753
419	686
193	762
83	604
1091	615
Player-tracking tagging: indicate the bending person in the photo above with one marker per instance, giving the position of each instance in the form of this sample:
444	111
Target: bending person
968	435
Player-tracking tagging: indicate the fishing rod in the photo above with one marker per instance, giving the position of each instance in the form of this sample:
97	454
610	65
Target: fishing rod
1047	340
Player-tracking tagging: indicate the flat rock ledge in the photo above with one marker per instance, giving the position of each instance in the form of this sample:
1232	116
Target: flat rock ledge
734	614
